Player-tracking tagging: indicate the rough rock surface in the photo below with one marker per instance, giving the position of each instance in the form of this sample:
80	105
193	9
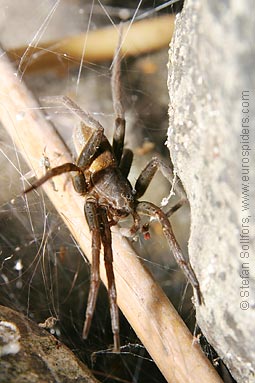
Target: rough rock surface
30	354
210	66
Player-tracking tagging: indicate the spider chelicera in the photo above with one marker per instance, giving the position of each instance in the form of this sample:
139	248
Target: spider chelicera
100	175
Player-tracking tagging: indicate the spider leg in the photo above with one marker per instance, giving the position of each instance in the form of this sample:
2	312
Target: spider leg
126	162
90	147
90	210
176	207
65	168
148	208
108	260
120	123
148	172
84	116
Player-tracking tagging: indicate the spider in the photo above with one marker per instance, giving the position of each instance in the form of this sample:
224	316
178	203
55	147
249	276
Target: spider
100	176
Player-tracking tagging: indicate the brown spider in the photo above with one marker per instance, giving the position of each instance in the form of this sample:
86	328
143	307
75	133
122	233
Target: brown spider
101	177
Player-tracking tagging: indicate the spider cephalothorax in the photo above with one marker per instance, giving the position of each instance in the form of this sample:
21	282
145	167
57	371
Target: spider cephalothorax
100	175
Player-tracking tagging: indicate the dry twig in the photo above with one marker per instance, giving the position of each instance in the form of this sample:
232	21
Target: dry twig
143	36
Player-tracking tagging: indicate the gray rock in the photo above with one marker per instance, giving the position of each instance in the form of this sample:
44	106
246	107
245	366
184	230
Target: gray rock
211	84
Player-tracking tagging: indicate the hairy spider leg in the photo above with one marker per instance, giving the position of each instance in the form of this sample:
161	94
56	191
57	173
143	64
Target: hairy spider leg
150	209
126	162
87	153
148	173
120	123
124	157
65	168
106	237
90	210
176	207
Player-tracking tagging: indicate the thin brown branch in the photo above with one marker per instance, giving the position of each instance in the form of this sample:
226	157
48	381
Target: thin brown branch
141	300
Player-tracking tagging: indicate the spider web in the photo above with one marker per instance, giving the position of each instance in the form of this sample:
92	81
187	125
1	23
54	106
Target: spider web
43	273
